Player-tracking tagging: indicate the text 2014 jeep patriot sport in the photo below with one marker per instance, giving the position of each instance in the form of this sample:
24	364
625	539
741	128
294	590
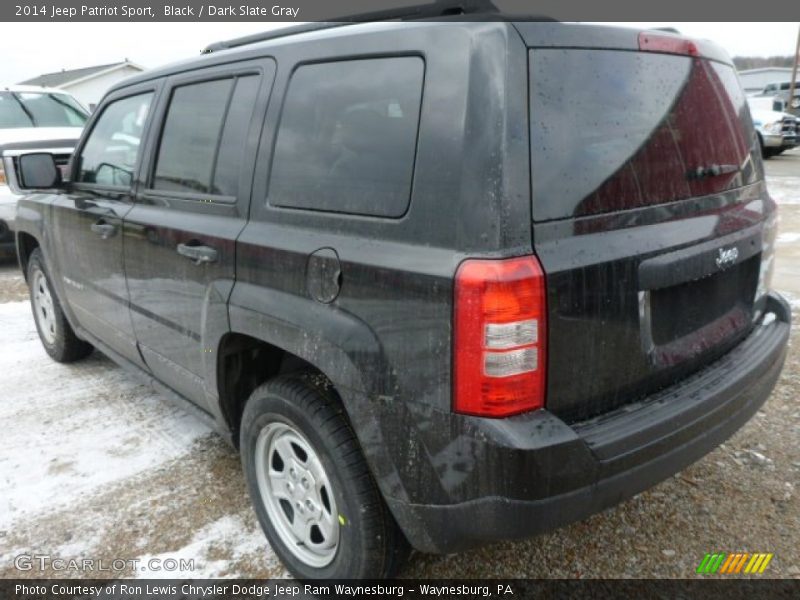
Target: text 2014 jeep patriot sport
441	282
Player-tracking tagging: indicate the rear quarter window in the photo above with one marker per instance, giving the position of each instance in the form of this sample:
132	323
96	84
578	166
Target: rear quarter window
347	137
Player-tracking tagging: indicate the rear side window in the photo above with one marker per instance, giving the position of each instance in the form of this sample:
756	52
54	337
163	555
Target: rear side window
614	130
347	137
204	135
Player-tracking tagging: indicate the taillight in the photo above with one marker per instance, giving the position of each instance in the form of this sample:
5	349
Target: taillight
2	173
653	42
499	346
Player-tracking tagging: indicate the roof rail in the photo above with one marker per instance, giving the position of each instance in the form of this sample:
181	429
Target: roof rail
433	10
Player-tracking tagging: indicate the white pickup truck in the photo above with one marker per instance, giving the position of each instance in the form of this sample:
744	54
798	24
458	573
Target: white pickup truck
777	131
33	119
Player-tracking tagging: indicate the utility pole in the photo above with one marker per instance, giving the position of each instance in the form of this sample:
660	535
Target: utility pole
793	83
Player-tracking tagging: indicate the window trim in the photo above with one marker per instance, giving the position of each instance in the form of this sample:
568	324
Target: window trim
269	205
194	78
75	161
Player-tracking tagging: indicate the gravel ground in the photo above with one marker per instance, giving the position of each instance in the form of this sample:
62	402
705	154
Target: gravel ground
99	466
12	285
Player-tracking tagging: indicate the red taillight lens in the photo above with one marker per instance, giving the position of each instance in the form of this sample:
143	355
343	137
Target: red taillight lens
652	42
499	338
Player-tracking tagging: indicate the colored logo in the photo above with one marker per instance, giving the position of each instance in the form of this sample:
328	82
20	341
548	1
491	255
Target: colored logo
740	562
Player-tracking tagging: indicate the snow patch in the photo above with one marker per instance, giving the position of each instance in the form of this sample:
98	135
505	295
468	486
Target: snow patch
784	190
793	300
228	536
790	237
72	430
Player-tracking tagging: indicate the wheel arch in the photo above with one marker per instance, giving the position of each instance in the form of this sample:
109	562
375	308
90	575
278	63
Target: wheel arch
244	362
26	244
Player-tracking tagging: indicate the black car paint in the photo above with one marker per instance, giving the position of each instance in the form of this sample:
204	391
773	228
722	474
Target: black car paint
384	340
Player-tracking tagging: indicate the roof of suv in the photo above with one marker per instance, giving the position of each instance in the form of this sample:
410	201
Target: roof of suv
244	50
544	31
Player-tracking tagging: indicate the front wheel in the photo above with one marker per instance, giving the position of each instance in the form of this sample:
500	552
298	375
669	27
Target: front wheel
310	485
57	336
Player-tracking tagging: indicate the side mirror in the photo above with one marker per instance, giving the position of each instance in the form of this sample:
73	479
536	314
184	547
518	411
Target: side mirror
38	171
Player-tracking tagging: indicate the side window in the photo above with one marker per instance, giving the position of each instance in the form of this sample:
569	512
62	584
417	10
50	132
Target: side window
204	135
109	155
347	137
232	144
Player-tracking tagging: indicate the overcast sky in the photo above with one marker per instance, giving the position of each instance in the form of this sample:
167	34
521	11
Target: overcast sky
31	49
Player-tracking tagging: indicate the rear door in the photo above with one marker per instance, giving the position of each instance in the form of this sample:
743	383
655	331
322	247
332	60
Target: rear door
650	216
180	235
87	219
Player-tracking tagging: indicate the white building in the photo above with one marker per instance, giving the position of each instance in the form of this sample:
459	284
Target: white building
89	84
755	80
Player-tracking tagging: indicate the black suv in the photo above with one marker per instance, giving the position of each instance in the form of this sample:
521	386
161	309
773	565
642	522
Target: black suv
441	282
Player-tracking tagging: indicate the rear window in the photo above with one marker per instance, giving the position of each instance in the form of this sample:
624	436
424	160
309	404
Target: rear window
613	130
347	137
36	109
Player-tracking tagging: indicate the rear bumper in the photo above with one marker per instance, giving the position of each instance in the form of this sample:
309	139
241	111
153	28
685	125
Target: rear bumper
585	468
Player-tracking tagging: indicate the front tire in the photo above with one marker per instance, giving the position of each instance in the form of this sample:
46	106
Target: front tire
55	332
765	152
310	485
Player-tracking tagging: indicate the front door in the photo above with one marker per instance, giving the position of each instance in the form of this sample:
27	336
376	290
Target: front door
180	235
87	221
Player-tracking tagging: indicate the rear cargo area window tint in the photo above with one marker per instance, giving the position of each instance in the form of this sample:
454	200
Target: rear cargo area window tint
347	137
613	130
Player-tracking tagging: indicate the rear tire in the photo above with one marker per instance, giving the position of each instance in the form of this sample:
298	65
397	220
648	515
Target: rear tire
294	431
55	332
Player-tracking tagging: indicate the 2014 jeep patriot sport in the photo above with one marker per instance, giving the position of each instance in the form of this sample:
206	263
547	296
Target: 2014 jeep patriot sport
441	282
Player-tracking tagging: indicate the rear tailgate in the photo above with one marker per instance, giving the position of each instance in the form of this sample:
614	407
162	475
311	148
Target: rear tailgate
650	215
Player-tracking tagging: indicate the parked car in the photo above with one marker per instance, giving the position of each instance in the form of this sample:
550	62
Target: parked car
435	288
790	106
772	89
777	131
33	118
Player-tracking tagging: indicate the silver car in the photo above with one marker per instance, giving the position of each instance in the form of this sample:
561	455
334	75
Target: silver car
33	119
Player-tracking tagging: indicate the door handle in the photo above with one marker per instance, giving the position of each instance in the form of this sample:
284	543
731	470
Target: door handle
199	254
103	229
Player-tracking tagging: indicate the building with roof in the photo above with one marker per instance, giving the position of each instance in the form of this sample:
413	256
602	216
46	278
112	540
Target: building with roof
88	84
755	80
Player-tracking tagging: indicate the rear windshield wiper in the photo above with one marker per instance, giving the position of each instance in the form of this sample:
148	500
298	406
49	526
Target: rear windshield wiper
712	171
